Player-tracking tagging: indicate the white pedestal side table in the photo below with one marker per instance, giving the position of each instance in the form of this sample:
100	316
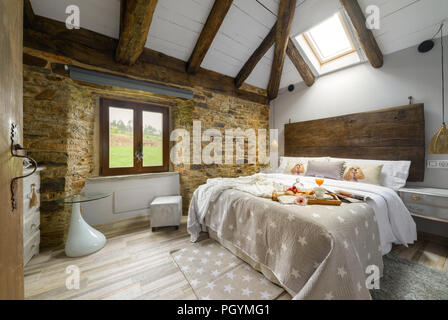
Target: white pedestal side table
82	239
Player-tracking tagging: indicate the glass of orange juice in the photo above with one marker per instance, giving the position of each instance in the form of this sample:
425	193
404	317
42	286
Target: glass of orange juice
319	181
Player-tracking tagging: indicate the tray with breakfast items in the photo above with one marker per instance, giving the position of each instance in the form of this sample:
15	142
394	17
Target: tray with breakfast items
295	195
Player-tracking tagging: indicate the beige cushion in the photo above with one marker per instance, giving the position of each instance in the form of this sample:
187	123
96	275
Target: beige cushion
365	173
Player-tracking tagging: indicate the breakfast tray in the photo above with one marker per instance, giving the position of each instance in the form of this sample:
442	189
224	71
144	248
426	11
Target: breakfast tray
325	202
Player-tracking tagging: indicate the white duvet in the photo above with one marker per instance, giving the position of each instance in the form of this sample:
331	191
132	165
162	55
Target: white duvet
394	220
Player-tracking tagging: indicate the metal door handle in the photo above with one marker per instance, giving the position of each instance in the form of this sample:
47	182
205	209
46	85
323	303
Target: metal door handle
139	155
15	149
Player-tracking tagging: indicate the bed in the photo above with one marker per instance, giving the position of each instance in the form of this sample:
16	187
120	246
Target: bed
316	252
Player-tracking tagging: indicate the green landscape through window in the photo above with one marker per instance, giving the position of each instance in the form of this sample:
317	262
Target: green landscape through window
121	138
152	139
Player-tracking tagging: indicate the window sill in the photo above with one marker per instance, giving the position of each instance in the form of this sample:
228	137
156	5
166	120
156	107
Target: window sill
132	176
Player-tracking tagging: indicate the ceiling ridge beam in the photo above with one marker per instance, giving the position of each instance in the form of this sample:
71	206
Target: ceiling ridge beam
136	18
285	16
365	35
292	52
208	33
300	63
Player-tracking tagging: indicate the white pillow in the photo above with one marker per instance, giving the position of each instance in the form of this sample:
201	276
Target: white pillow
285	160
393	175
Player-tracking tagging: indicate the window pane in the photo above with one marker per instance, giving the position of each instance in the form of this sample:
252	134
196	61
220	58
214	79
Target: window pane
152	139
121	138
330	38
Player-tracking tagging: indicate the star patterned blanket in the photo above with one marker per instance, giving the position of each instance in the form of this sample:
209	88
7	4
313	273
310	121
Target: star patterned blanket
314	252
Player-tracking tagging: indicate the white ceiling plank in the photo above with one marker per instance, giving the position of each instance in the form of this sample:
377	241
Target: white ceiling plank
170	48
176	27
243	29
256	12
288	78
386	7
260	75
311	12
239	36
290	74
220	62
196	10
390	45
288	65
411	25
171	32
182	19
102	16
269	56
271	5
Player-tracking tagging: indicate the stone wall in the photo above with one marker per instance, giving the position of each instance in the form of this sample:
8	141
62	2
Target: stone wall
59	131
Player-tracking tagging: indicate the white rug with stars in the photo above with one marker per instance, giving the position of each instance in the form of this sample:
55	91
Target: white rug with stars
214	273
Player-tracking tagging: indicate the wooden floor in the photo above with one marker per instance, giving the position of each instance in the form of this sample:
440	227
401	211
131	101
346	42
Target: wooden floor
137	265
430	250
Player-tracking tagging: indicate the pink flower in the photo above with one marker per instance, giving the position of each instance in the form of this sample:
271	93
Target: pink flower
301	201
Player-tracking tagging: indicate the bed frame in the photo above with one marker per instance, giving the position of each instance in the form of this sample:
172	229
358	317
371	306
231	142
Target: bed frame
388	134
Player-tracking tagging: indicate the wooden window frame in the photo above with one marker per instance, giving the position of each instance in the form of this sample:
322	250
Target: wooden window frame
138	108
314	50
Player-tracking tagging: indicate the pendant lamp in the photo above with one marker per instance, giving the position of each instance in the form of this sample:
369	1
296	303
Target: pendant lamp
439	143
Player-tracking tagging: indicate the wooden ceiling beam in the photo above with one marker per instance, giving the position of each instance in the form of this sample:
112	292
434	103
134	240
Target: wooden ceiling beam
122	14
300	64
211	28
285	16
135	21
365	36
292	52
250	65
28	14
90	50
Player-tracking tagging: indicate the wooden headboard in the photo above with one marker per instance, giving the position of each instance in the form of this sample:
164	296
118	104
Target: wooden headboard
387	134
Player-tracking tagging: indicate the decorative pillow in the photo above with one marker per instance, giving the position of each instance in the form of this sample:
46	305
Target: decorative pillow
330	170
296	167
365	173
393	175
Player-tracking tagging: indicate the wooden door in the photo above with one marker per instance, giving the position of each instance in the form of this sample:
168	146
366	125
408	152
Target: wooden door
11	111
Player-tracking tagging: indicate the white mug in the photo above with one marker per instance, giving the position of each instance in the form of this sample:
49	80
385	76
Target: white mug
319	192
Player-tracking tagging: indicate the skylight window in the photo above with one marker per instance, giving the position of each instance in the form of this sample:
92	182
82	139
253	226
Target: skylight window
330	40
329	45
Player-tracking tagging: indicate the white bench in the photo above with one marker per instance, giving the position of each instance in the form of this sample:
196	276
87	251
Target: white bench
166	212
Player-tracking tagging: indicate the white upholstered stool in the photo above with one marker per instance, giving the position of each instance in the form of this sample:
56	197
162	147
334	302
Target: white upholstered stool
166	212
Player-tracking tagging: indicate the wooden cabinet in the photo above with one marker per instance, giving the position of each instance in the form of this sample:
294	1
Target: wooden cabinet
31	215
